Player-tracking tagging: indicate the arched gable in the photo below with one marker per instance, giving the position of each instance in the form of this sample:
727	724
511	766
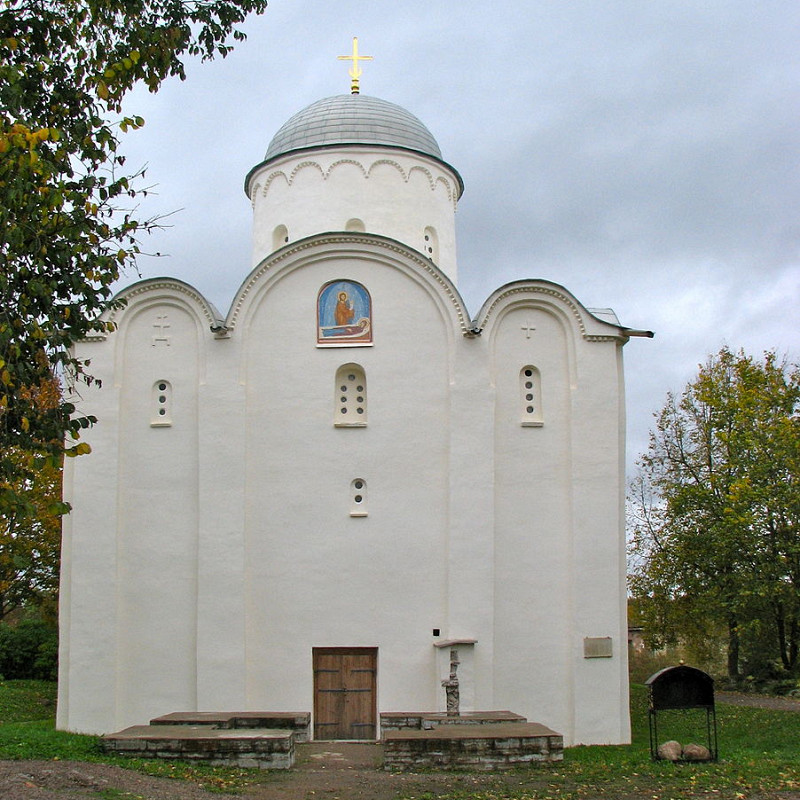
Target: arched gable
170	290
553	299
168	315
381	253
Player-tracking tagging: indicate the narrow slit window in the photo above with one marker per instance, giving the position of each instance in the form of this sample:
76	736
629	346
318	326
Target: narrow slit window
161	404
530	389
358	497
430	244
280	237
350	397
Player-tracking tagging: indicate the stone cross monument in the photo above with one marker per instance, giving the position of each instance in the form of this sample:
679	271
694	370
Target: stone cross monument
451	685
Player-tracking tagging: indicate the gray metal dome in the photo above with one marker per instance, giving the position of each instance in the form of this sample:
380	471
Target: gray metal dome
353	119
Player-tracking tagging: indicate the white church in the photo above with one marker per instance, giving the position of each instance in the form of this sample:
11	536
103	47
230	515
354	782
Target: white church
348	475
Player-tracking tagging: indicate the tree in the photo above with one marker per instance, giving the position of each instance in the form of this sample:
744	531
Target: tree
68	225
30	536
715	509
30	542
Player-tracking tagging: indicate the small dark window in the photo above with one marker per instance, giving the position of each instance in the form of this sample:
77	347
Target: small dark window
356	403
161	404
531	397
358	489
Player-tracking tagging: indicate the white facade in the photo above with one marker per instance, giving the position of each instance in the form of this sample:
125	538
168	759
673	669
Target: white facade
231	518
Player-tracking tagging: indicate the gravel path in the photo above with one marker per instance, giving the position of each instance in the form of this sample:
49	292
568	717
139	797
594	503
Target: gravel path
758	701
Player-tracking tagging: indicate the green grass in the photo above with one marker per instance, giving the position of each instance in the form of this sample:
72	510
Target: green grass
27	731
759	757
25	701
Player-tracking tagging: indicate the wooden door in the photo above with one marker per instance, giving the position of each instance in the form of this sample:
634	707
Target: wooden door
344	692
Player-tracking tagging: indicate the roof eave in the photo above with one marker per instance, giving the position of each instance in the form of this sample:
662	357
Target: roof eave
341	145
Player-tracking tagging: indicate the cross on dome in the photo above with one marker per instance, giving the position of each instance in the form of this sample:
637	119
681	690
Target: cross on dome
355	70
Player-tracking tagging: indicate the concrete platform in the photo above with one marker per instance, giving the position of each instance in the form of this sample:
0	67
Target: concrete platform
252	747
427	720
297	721
482	746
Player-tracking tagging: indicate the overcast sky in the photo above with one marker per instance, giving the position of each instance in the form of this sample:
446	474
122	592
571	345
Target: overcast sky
644	154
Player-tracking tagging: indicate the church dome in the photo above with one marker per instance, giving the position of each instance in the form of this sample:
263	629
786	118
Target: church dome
352	119
357	164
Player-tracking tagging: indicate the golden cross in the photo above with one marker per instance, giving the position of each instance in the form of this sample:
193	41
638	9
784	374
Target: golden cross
355	70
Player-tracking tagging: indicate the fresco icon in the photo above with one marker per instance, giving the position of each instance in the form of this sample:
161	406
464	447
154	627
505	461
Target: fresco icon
344	314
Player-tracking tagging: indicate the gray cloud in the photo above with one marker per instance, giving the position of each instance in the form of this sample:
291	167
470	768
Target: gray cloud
644	155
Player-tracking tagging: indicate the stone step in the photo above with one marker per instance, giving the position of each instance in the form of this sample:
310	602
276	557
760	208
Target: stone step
425	720
484	747
297	721
265	748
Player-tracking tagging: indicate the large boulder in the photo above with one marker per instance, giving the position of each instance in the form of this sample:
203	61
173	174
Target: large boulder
670	751
696	752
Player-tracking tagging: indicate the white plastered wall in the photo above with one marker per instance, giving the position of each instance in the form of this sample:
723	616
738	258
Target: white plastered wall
88	581
129	593
204	561
558	524
317	576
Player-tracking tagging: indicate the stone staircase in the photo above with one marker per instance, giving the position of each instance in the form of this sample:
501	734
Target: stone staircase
484	740
243	739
